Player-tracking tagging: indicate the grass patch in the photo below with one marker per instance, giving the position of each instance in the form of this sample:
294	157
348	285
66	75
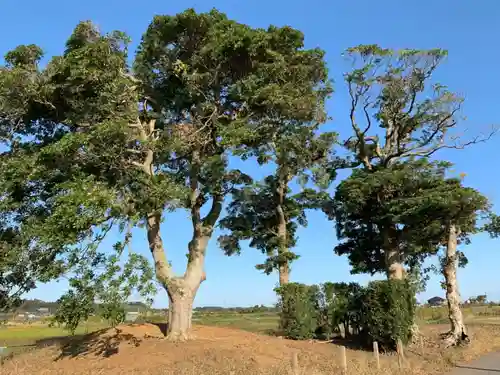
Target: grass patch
30	334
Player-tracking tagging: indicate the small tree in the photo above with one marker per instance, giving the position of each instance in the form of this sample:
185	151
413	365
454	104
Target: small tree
268	213
299	310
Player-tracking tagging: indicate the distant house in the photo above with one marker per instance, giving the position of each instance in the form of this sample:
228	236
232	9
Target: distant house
43	311
436	301
131	316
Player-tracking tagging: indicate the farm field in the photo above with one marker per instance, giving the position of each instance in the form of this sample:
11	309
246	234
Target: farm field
226	343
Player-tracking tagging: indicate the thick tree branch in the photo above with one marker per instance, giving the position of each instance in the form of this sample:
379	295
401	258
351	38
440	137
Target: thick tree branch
164	272
213	215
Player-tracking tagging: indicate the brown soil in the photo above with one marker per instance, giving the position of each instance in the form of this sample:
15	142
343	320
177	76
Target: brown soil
141	349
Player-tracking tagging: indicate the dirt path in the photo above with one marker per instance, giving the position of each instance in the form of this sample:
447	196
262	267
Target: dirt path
487	365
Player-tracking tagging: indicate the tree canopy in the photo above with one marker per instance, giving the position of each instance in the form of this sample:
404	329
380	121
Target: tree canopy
98	143
399	120
93	144
269	212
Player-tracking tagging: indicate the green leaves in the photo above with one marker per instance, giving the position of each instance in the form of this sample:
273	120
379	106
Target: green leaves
416	199
253	215
102	284
24	56
392	90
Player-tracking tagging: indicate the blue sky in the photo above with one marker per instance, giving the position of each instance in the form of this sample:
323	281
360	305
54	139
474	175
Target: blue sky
468	29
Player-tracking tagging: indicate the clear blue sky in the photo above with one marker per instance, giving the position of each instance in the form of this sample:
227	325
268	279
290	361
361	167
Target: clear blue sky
468	29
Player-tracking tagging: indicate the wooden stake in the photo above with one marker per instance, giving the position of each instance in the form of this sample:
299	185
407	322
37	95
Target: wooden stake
295	364
343	358
376	354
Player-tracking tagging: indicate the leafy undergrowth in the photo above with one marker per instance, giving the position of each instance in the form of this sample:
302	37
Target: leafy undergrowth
218	351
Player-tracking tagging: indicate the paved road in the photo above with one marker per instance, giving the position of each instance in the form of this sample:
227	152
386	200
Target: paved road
487	365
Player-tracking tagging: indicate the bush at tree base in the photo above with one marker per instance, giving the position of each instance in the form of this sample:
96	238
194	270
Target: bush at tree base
339	306
383	311
388	312
299	310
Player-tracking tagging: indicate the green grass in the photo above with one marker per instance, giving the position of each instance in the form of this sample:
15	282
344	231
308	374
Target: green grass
253	322
472	314
263	322
30	334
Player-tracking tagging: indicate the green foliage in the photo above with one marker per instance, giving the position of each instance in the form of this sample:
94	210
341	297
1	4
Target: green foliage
253	215
340	305
412	203
299	310
113	312
101	285
369	204
91	145
493	226
388	312
74	307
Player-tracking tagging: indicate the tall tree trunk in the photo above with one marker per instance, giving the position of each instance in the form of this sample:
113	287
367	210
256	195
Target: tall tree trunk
458	332
284	266
393	261
284	274
181	290
180	304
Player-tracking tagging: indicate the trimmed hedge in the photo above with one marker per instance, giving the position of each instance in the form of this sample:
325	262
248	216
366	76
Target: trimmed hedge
299	310
388	312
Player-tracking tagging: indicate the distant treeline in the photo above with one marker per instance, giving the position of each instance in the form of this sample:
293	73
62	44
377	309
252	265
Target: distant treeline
253	309
32	305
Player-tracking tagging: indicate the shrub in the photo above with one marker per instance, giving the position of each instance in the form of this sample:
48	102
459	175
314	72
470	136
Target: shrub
73	308
340	305
113	312
299	310
388	311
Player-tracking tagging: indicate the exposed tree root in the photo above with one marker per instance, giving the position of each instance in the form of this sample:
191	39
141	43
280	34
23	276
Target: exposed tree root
455	338
179	337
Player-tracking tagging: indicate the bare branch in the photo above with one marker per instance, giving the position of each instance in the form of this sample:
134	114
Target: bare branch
475	140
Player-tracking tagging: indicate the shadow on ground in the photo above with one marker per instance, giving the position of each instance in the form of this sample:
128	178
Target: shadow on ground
103	343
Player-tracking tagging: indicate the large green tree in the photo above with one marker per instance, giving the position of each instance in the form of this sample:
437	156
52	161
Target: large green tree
368	202
398	117
92	144
269	212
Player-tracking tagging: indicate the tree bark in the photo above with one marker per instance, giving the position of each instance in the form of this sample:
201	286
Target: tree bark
180	298
458	332
393	262
284	267
181	290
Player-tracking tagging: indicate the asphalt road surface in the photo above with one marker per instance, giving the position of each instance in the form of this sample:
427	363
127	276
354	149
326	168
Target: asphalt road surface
487	365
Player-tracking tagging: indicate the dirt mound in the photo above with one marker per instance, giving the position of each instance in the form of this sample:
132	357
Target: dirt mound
139	331
140	349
